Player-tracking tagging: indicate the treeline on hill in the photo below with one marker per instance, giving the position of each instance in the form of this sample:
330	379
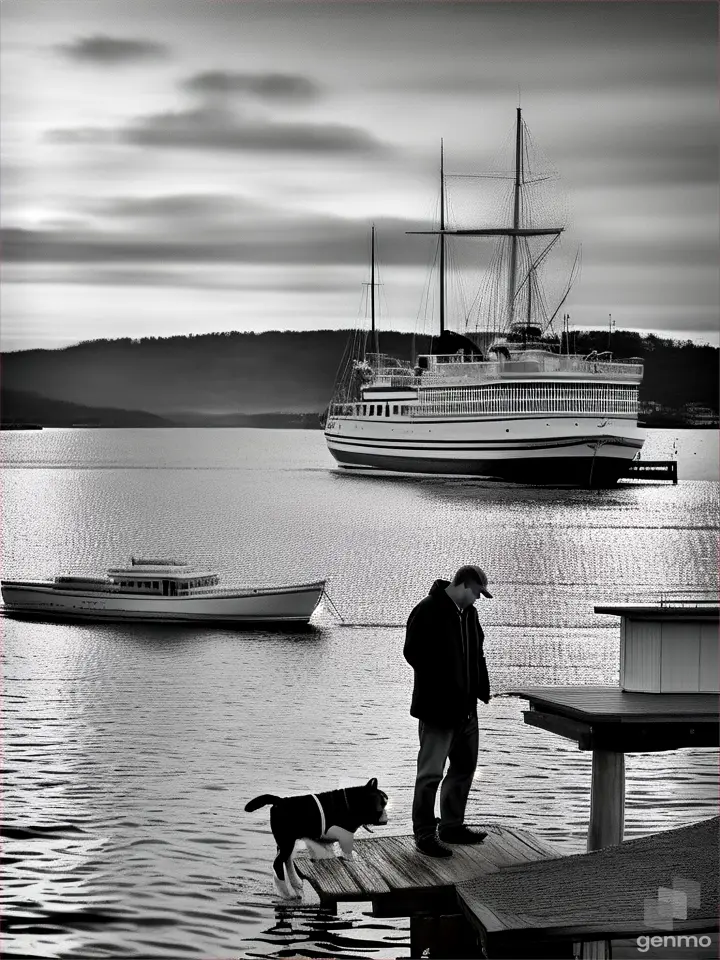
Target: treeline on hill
676	372
280	377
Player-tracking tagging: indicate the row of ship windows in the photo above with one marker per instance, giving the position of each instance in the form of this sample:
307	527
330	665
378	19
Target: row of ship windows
369	410
155	584
502	405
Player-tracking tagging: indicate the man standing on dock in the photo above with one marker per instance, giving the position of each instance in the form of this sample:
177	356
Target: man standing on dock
444	646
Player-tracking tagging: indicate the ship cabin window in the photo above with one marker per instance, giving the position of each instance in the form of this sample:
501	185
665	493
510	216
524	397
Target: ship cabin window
395	409
372	409
387	409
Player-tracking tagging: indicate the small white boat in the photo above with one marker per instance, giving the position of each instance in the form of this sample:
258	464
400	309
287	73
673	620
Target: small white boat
162	591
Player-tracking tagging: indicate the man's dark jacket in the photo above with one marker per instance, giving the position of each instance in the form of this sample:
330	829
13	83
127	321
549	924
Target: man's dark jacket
445	649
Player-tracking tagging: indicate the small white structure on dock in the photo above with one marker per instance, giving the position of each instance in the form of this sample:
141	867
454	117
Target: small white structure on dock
668	648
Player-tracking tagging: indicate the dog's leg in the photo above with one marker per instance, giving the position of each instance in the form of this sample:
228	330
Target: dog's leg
318	850
346	845
283	886
344	837
294	878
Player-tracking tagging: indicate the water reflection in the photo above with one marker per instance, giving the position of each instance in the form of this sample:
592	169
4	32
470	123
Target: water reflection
131	749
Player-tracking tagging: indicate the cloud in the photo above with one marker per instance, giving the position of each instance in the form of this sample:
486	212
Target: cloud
219	129
171	208
649	153
265	86
177	230
214	277
105	50
259	236
83	135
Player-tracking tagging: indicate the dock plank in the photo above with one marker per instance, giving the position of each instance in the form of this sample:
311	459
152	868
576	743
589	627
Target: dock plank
523	846
386	866
591	703
600	895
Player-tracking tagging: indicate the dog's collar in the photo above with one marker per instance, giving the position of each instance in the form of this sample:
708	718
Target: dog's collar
322	814
323	824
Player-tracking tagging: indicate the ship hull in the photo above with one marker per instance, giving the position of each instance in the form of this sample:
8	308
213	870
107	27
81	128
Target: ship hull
291	605
567	451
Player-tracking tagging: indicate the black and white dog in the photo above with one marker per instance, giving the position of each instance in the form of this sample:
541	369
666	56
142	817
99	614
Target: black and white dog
318	819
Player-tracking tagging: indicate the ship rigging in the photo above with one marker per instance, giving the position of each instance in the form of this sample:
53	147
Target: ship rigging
505	403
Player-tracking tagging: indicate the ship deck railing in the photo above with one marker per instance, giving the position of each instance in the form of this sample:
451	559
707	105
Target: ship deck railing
449	368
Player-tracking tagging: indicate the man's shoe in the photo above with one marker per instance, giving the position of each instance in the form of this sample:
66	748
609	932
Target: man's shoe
432	847
461	834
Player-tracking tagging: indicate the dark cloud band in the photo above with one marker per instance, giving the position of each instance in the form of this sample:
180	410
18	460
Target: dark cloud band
265	86
217	129
103	49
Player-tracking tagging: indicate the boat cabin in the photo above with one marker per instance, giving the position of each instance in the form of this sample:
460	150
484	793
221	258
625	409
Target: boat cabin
165	578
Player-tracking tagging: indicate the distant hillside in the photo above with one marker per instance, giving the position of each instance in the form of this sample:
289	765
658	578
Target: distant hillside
224	379
211	375
23	406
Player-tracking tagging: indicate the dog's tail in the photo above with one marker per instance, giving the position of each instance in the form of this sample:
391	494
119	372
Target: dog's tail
262	801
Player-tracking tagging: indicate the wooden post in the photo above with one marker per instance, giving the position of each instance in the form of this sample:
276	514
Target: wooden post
607	800
596	950
607	820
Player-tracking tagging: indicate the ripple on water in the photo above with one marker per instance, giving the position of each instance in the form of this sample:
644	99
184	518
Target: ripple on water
131	751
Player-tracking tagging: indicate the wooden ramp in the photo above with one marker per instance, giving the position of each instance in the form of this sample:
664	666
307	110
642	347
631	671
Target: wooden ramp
401	881
658	885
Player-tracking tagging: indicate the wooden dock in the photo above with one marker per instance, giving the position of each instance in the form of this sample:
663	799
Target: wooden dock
652	470
402	882
608	718
665	883
612	722
393	874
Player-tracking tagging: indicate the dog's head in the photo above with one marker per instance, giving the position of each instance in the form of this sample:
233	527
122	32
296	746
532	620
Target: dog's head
371	803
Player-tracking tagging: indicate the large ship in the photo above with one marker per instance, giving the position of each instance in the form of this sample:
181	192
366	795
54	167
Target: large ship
160	591
509	402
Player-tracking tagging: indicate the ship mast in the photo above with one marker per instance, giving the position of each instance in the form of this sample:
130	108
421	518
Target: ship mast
516	217
442	240
376	344
515	232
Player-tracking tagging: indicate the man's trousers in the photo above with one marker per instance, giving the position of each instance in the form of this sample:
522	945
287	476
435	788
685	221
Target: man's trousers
437	745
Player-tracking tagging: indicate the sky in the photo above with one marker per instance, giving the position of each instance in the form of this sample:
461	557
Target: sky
209	165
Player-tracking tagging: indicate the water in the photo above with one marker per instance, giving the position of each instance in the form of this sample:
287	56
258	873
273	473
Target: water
130	750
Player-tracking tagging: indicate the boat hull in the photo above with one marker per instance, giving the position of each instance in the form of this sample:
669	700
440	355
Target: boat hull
569	451
290	605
